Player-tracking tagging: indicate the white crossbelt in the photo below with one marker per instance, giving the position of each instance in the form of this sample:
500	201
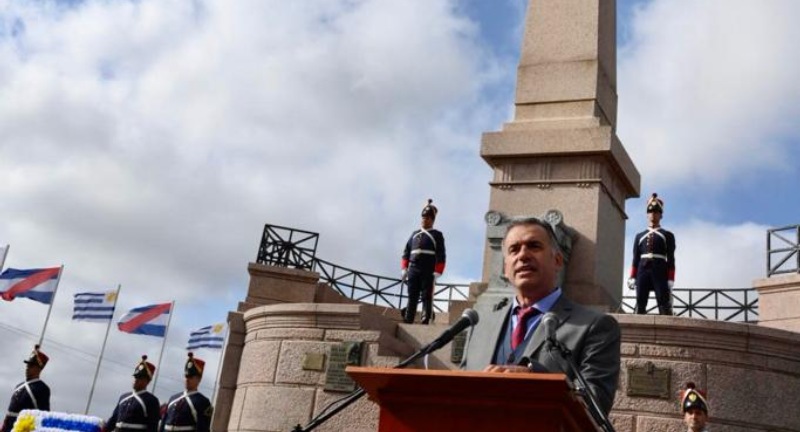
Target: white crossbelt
179	428
12	414
191	407
123	425
654	256
422	251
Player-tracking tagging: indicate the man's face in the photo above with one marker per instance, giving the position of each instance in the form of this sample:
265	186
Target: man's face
695	419
32	371
654	218
192	382
140	384
530	263
427	222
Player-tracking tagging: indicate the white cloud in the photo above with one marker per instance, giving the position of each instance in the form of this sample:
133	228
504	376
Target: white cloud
708	89
146	143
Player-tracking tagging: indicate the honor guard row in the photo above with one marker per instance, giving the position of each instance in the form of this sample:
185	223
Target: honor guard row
140	410
31	394
422	263
653	266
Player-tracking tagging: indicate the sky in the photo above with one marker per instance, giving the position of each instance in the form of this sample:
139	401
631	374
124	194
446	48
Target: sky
146	143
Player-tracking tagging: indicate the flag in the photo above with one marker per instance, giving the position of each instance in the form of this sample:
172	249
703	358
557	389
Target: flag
146	320
212	336
94	306
36	284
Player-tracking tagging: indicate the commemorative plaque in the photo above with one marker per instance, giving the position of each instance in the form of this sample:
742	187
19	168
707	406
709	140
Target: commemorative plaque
342	355
649	381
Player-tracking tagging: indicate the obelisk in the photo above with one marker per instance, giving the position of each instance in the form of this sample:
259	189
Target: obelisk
561	150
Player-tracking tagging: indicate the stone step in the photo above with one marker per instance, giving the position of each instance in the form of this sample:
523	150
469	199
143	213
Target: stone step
419	335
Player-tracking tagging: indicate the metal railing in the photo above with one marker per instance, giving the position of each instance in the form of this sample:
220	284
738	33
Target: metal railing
783	250
737	304
293	248
289	247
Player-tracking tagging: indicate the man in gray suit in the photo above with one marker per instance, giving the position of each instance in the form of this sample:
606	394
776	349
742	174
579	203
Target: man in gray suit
509	332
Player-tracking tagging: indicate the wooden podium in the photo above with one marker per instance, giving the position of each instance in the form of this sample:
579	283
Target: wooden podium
414	400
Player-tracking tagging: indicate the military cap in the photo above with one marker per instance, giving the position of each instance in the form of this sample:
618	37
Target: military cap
430	210
691	397
144	369
37	358
655	204
194	366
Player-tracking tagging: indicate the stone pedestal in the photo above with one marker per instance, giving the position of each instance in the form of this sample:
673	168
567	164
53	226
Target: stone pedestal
779	302
752	373
561	150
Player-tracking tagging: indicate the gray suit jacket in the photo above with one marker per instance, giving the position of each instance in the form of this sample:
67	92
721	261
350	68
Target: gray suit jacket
593	338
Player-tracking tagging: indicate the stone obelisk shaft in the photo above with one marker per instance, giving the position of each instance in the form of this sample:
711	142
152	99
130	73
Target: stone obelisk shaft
561	150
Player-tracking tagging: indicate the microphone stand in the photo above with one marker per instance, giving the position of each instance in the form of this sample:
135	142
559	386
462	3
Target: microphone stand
566	355
359	392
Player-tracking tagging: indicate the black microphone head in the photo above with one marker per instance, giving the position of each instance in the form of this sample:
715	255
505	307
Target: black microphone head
471	315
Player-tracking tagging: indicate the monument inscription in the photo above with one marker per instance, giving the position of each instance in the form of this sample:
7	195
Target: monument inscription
649	381
345	354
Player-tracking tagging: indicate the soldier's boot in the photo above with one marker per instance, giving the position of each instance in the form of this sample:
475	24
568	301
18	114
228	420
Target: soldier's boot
407	317
427	313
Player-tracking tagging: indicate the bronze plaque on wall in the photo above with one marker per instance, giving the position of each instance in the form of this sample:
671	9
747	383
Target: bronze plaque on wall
649	381
457	347
342	355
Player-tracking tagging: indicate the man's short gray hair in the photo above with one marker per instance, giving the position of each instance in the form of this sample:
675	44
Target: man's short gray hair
533	220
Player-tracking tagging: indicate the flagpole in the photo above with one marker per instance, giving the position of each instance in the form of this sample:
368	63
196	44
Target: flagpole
219	364
163	344
5	254
52	300
102	350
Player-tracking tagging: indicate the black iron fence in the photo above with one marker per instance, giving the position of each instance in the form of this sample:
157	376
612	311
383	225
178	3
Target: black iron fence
737	304
293	248
287	247
783	250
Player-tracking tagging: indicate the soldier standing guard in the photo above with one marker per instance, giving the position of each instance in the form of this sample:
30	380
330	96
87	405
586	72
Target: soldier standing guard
422	263
33	393
653	261
695	408
138	410
189	410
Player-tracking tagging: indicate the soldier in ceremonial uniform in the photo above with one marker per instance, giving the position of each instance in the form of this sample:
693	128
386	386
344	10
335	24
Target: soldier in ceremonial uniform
31	394
422	263
695	408
138	410
189	411
653	261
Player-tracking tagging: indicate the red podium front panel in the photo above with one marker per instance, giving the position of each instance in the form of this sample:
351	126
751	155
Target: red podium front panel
414	400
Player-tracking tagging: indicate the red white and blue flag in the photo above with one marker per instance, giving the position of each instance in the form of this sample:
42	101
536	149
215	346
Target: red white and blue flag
36	284
149	320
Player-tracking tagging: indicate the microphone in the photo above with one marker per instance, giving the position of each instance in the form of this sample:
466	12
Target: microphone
468	319
549	325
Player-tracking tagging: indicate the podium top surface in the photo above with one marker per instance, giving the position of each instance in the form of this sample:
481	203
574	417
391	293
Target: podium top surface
442	382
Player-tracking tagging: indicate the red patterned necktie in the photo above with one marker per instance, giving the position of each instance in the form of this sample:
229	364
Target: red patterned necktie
523	315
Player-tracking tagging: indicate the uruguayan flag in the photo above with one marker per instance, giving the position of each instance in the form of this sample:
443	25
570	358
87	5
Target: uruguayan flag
212	336
94	306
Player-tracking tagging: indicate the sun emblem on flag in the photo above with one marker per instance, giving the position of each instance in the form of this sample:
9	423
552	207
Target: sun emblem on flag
111	297
217	328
